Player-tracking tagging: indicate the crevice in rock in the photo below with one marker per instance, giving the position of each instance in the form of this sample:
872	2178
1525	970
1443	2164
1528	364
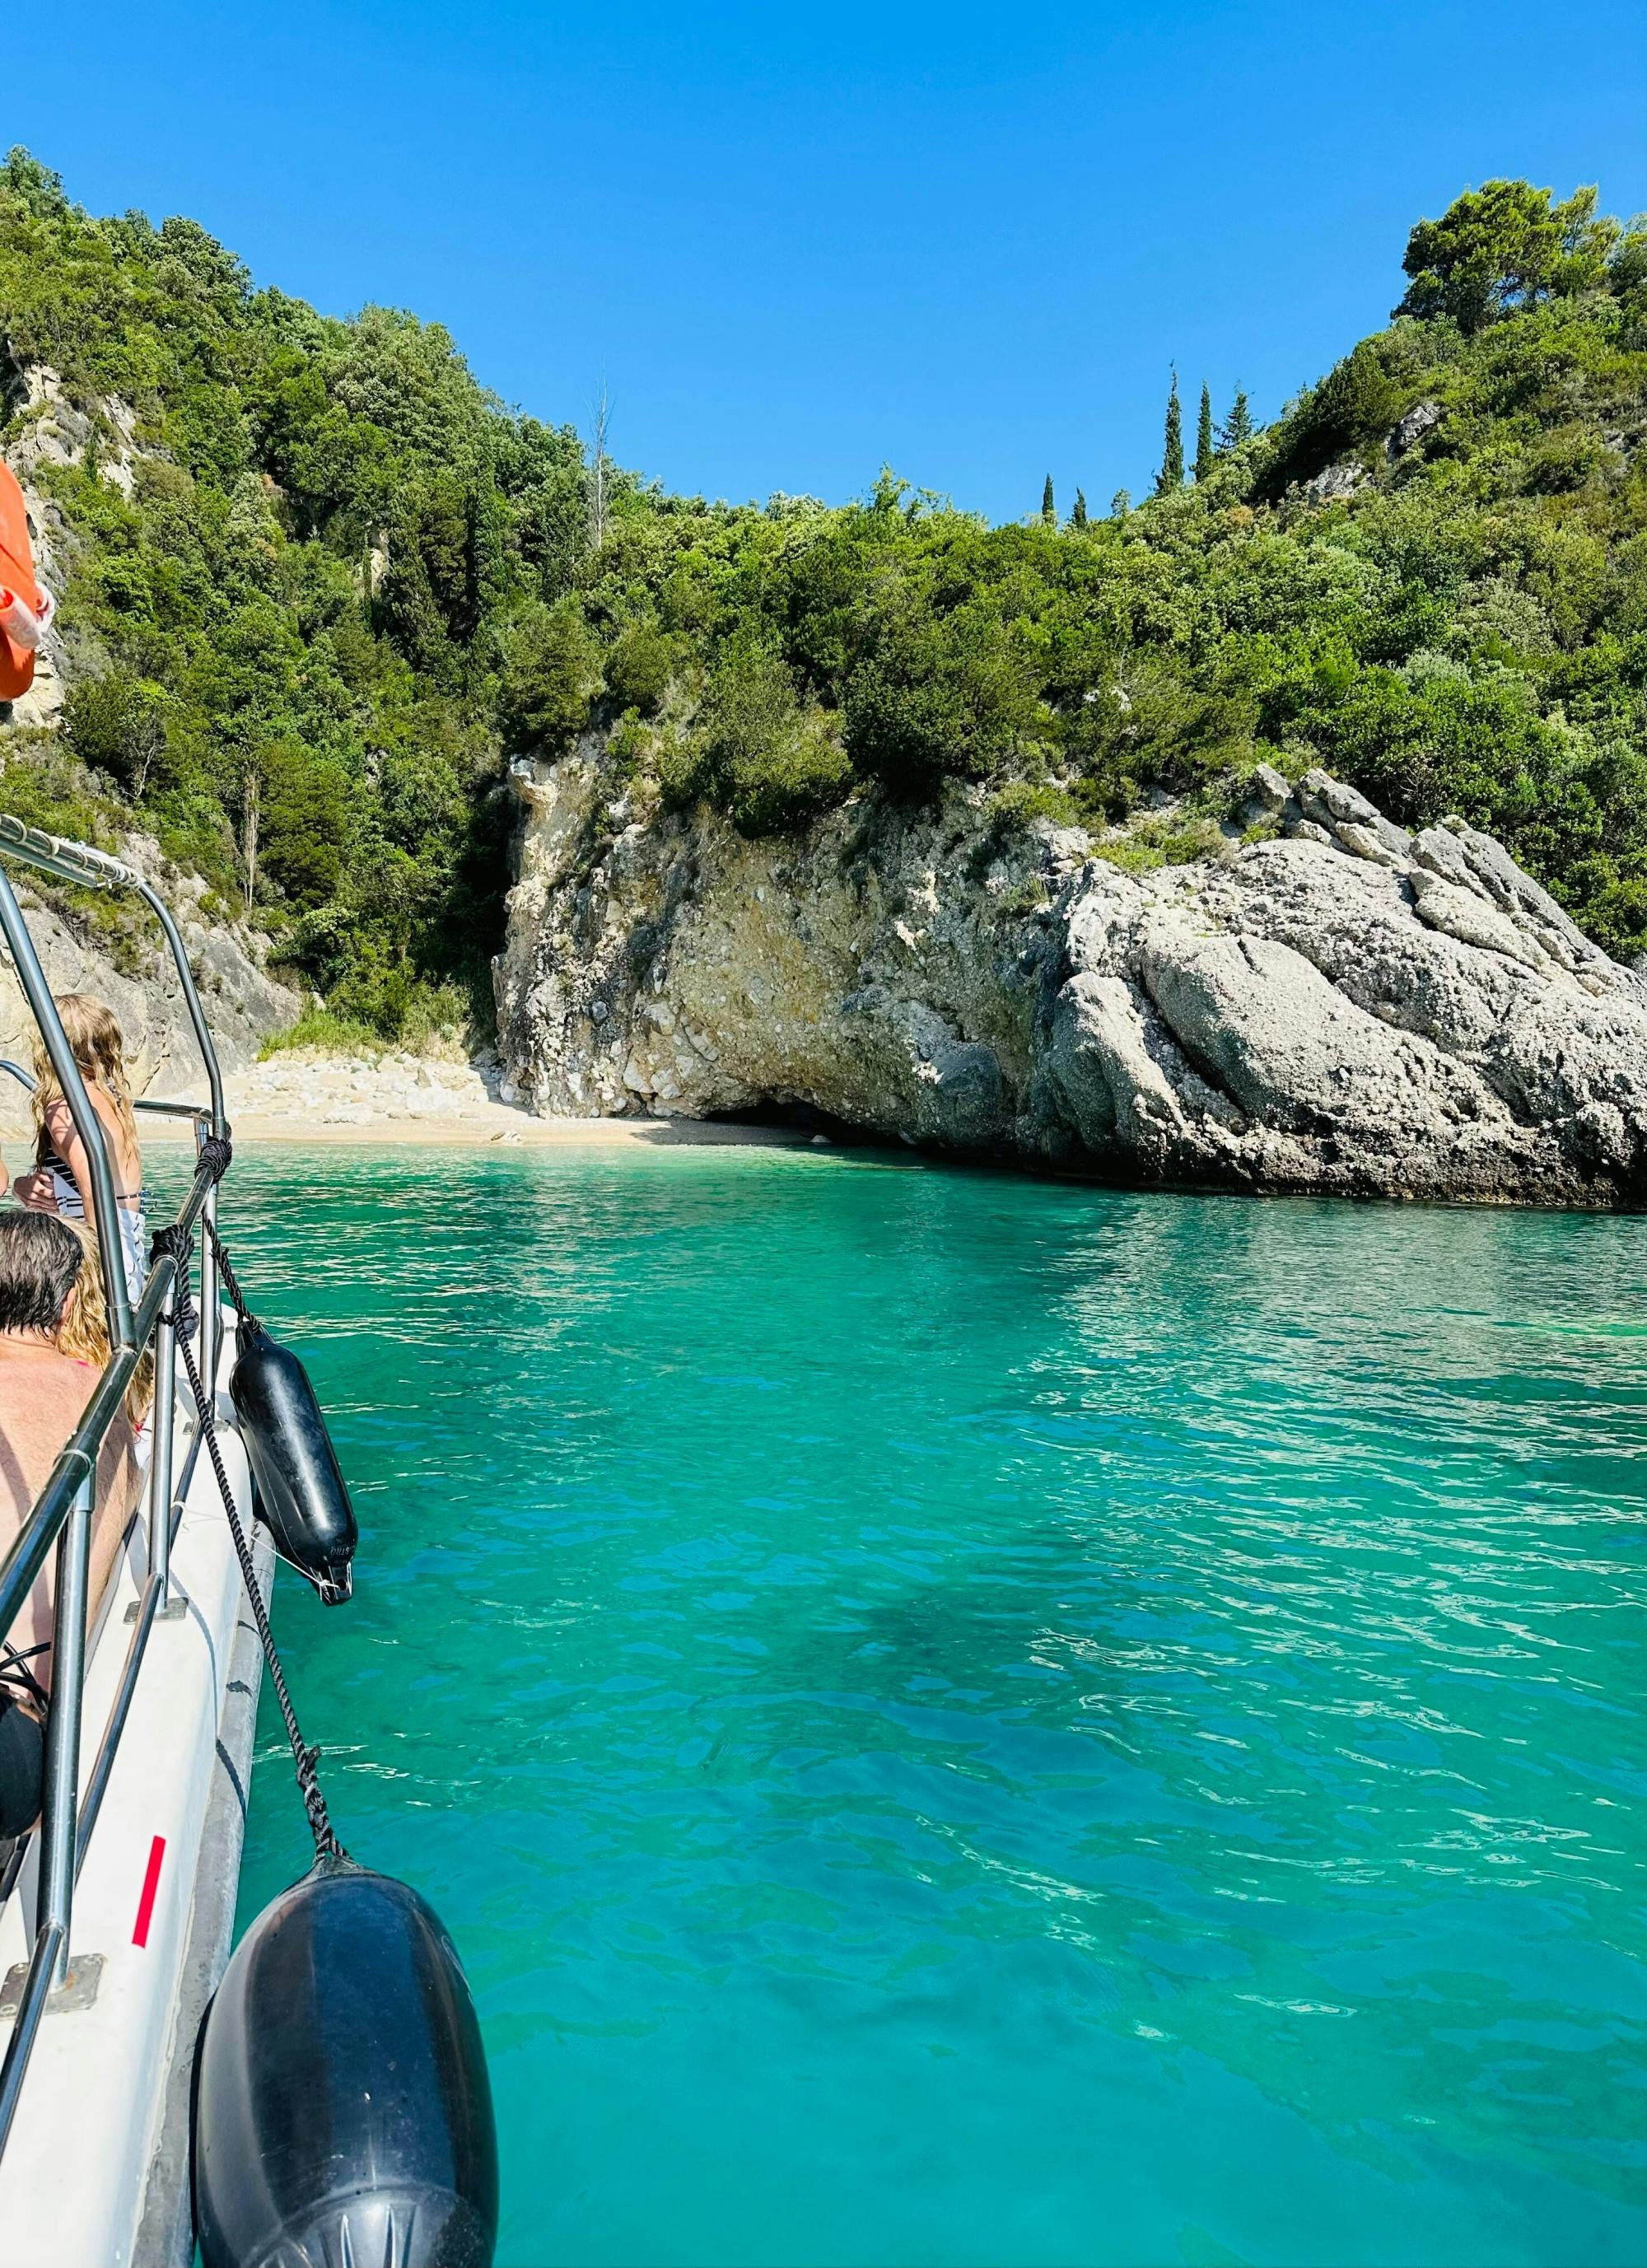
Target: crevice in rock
801	1118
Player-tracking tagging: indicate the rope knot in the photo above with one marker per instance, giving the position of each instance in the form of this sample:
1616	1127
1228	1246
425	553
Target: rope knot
216	1154
178	1244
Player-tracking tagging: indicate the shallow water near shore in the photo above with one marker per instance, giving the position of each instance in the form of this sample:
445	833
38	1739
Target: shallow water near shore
958	1719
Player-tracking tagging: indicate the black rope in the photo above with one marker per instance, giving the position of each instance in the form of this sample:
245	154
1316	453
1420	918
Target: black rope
13	1670
216	1154
305	1759
230	1283
177	1244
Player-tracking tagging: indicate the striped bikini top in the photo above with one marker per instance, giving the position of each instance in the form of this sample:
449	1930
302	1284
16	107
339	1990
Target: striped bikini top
133	1211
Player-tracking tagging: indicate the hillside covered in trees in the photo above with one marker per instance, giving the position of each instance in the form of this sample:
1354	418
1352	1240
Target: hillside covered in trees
348	584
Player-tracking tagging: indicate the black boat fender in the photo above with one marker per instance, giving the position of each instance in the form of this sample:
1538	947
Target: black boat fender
342	2109
302	1497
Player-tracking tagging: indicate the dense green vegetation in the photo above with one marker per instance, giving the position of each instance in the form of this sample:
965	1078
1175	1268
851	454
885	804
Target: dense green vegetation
350	582
289	639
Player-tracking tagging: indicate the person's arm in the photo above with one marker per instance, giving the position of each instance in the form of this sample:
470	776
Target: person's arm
35	1189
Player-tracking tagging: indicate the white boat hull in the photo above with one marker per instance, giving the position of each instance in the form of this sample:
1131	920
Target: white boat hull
91	2122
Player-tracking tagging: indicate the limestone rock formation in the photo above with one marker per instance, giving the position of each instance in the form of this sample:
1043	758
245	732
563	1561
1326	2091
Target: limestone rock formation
1340	1007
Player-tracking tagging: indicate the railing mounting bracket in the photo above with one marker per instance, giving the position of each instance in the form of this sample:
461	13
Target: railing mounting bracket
78	1990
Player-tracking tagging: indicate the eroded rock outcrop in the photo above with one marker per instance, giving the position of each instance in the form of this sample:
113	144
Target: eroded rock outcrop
1341	1007
243	1005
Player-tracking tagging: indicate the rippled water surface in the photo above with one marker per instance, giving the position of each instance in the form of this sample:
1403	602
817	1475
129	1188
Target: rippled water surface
960	1720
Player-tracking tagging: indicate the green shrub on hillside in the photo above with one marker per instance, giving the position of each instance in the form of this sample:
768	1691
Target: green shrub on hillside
290	636
639	667
551	676
757	751
940	695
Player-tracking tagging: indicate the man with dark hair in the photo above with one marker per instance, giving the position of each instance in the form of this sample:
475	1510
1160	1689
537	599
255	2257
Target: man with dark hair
37	1274
43	1392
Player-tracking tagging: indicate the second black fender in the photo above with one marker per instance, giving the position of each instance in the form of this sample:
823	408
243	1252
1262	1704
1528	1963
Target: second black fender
343	2111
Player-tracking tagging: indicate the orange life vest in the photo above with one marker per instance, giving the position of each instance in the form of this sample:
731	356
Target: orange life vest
16	575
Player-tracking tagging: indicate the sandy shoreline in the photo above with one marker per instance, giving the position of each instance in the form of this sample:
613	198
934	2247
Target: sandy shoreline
310	1099
500	1125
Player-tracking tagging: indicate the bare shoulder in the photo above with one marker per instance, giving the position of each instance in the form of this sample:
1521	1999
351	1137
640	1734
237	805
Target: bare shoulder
41	1397
61	1127
61	1384
122	1149
34	1376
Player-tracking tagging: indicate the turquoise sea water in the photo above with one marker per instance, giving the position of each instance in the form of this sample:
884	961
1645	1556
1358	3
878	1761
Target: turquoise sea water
955	1720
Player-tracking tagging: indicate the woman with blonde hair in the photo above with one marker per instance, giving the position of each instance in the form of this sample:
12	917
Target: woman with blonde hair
83	1332
62	1179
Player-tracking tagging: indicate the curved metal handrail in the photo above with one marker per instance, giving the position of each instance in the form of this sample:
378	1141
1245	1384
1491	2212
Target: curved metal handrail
98	870
62	1513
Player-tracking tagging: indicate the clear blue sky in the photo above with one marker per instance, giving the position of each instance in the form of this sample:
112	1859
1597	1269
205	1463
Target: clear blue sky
799	241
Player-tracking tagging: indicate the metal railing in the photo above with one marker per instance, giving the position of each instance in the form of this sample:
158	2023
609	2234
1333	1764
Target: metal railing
63	1512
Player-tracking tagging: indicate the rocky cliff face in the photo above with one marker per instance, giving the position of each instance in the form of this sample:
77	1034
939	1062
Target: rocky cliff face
243	1003
1341	1007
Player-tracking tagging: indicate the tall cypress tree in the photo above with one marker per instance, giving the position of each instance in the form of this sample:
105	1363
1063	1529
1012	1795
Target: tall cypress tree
1238	426
1204	434
1171	476
1048	510
1077	517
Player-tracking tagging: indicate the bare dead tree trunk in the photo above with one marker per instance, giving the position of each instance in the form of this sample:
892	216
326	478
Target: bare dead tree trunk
249	813
148	740
598	484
